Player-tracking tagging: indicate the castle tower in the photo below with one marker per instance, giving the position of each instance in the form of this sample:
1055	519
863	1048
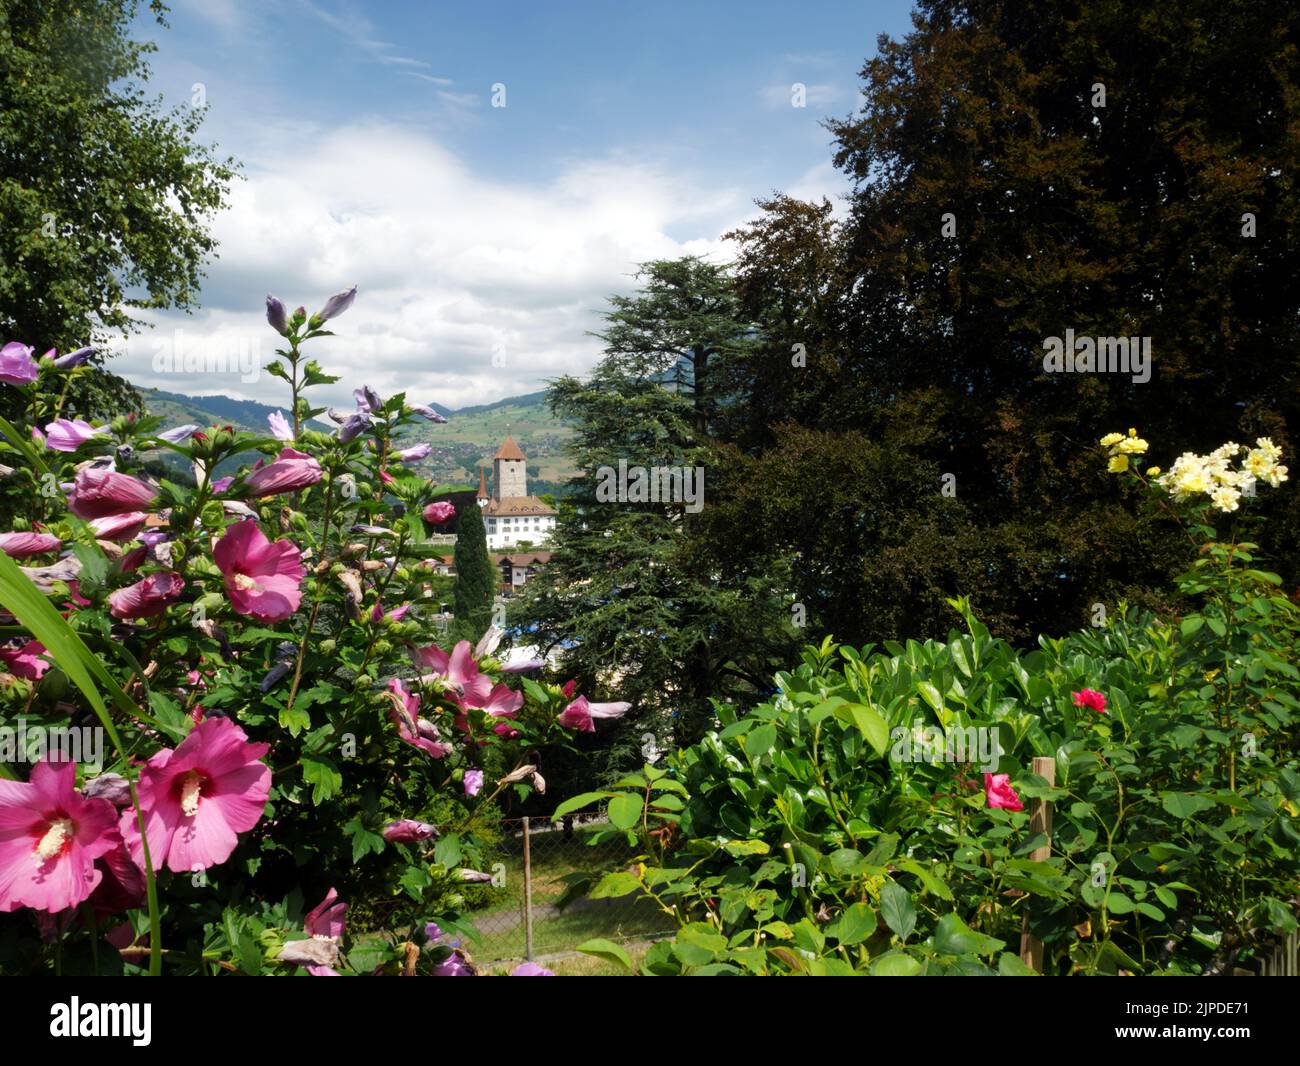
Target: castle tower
482	497
509	471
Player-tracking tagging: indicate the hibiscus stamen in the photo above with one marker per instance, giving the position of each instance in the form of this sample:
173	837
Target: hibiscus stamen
57	837
246	582
190	785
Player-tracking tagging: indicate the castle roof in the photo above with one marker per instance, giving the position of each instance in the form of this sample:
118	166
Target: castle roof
510	506
510	450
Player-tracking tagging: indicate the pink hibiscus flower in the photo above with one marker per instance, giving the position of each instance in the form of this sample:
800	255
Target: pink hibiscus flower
198	798
473	782
459	670
25	661
997	787
263	577
581	715
50	837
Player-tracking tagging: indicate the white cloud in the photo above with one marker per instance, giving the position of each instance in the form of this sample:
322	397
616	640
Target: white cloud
453	266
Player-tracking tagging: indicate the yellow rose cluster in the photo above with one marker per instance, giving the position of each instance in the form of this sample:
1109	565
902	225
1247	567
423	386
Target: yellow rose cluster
1213	475
1120	449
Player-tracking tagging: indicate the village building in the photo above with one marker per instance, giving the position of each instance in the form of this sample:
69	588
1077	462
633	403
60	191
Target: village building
510	514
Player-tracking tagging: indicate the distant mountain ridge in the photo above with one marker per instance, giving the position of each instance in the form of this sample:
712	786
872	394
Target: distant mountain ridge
467	441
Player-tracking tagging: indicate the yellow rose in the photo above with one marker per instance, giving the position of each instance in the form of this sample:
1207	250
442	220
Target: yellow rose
1118	464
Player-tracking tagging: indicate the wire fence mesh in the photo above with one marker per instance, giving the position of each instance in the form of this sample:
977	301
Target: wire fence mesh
525	917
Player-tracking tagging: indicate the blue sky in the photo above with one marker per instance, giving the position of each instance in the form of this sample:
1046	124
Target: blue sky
484	239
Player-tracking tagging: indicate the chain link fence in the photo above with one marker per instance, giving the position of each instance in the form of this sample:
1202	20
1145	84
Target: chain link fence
526	916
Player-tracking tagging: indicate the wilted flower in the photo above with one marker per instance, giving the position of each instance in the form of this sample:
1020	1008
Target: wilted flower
120	527
291	471
98	493
325	924
21	545
407	831
148	597
416	731
280	428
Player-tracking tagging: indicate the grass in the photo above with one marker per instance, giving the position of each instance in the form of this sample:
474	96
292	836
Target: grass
555	931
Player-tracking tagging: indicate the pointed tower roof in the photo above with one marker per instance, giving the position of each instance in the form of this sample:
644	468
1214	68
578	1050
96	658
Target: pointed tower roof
510	450
482	484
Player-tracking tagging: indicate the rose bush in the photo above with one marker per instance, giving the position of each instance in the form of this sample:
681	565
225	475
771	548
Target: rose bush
829	830
258	648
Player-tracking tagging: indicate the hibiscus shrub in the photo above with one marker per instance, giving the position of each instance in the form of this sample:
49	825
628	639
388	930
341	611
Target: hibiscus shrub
874	816
281	728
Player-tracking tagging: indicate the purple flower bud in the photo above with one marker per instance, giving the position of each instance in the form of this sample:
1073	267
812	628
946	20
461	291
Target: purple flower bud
428	412
353	428
67	362
180	433
273	675
275	314
337	304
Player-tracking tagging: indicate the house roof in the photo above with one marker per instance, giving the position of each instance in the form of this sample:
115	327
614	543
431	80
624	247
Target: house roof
510	450
512	506
523	558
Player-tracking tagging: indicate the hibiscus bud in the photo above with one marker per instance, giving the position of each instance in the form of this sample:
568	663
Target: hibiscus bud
73	359
276	315
334	306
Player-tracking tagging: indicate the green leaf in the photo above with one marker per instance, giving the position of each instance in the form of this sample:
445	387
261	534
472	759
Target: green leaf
577	802
447	851
607	950
1185	804
760	741
615	885
323	776
854	924
895	964
952	936
897	910
869	723
625	811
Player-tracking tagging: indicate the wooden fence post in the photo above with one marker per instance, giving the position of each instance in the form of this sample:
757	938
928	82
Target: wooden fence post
528	896
1040	821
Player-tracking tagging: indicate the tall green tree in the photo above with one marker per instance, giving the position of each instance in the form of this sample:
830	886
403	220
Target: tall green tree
637	610
477	579
105	196
1019	170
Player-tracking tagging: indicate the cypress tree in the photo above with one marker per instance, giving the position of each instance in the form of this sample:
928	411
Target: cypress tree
476	577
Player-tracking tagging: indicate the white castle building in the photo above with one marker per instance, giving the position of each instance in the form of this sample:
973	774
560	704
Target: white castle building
510	514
